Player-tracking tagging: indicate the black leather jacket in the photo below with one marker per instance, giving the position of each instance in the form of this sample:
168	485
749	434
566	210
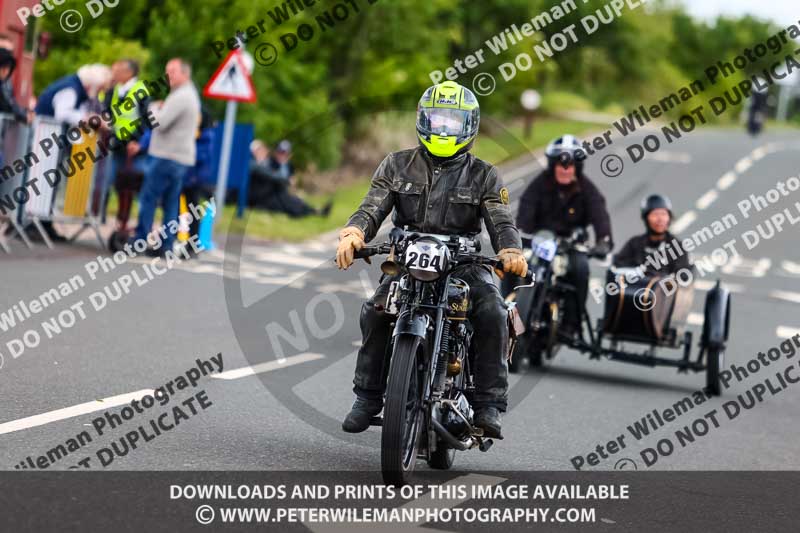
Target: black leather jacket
444	196
545	205
638	249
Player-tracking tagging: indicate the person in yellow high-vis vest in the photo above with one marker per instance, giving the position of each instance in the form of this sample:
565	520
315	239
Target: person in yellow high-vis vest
128	124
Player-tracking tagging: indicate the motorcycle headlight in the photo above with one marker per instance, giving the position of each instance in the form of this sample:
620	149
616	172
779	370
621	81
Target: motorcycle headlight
427	259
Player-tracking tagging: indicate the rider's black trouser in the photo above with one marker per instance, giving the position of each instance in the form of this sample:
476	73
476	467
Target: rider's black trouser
578	276
488	316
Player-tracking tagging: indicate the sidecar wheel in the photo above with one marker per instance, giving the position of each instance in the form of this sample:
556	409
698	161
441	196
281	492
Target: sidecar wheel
715	360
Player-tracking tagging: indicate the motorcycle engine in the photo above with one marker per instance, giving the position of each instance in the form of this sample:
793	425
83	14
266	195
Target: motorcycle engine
454	423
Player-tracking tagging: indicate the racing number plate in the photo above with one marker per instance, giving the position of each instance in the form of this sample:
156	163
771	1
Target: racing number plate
546	250
427	256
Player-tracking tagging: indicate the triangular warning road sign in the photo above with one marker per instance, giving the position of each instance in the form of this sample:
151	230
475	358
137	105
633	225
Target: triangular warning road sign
231	81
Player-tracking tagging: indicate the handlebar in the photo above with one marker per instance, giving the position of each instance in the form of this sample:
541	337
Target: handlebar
369	251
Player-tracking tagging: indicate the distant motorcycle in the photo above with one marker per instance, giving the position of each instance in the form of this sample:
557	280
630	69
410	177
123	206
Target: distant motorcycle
755	122
650	311
541	306
756	114
427	413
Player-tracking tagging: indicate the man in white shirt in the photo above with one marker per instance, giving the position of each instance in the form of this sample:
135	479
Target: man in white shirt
171	154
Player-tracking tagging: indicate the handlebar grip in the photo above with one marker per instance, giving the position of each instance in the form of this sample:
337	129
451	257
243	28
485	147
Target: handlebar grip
365	252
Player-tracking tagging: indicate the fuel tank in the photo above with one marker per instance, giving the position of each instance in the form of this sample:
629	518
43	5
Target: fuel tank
457	299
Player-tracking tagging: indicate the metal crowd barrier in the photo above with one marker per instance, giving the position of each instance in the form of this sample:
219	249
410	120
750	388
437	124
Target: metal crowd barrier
80	195
14	142
58	189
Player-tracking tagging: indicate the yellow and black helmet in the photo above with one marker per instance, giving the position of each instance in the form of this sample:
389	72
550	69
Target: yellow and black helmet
448	116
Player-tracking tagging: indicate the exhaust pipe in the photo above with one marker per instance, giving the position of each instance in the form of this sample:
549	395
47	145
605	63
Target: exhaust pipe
447	436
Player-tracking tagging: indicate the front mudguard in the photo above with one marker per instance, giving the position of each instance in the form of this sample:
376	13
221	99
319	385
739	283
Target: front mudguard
716	320
412	324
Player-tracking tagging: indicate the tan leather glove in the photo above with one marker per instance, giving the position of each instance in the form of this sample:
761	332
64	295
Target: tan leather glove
351	239
513	261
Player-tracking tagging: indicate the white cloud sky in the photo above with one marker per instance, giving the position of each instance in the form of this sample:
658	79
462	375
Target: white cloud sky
783	12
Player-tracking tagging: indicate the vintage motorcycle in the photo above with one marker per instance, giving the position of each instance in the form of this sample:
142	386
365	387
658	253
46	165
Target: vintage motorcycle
540	307
649	310
427	412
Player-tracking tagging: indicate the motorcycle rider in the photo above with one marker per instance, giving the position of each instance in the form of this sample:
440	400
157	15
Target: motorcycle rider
656	211
757	110
438	187
562	199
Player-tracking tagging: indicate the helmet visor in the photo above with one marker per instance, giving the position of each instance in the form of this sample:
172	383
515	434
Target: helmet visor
445	122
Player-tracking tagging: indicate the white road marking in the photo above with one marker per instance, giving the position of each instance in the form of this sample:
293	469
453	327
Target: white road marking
695	319
758	153
683	222
726	181
785	332
707	199
671	157
70	412
284	281
319	245
268	367
295	260
204	268
743	165
753	268
791	267
707	285
786	295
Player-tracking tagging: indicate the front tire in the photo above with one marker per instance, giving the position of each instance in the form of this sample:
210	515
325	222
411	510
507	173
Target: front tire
402	413
714	358
443	457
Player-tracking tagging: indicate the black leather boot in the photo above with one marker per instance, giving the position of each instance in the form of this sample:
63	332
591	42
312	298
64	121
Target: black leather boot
357	420
488	419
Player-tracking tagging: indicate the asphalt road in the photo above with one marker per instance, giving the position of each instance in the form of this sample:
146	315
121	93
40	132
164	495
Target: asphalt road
286	415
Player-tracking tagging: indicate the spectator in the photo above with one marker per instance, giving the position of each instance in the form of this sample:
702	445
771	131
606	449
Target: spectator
172	153
127	120
67	100
270	179
8	104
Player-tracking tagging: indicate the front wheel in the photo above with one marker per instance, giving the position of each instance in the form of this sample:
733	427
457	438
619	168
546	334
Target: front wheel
402	414
443	457
714	358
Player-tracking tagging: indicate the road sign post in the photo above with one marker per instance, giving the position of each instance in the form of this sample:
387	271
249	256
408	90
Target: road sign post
530	101
230	82
225	155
